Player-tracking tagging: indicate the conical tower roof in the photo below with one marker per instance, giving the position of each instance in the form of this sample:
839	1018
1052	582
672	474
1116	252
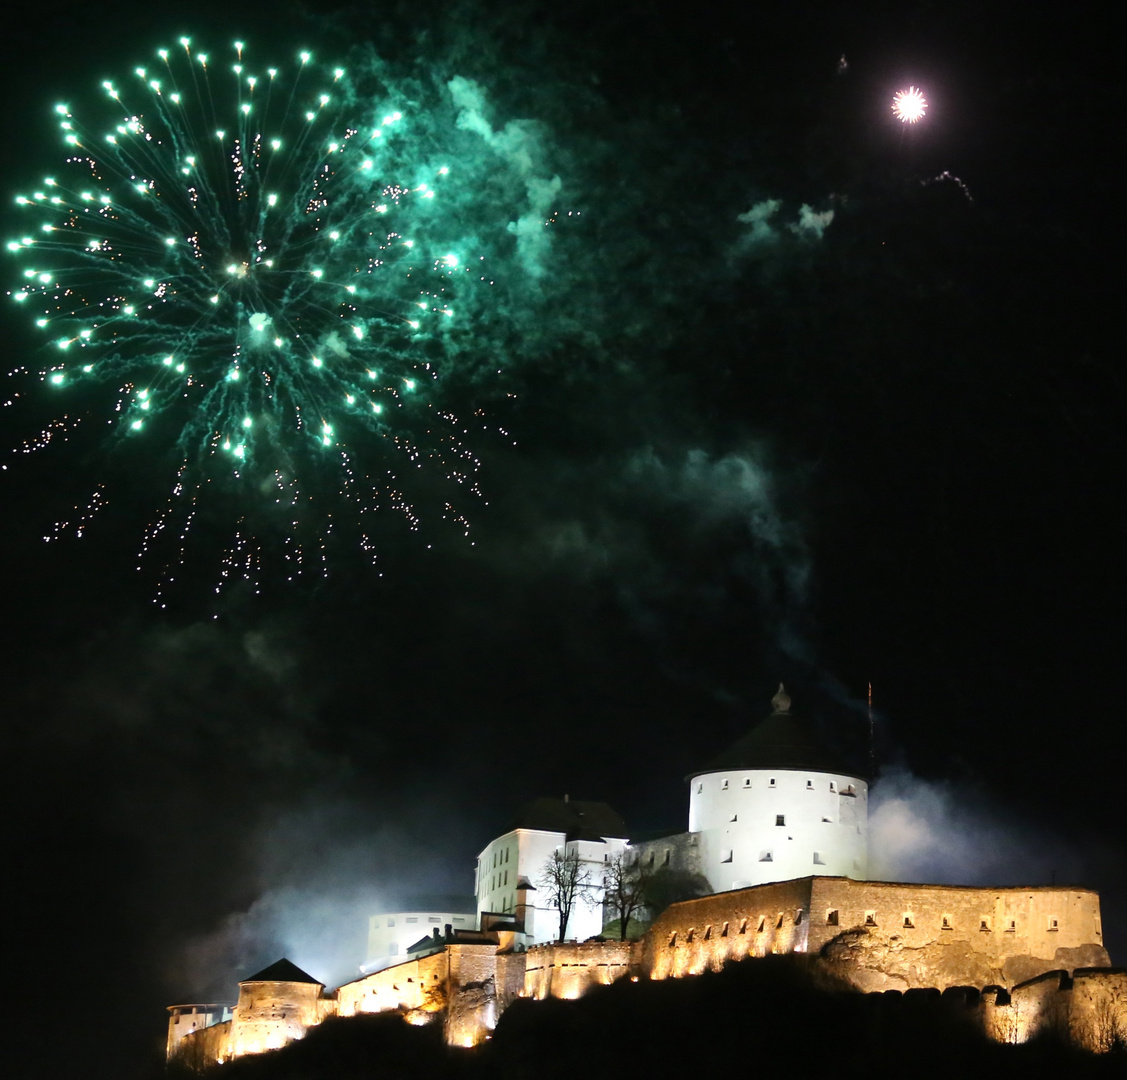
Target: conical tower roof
781	741
282	971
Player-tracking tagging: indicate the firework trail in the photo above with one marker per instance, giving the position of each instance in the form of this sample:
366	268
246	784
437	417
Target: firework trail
264	276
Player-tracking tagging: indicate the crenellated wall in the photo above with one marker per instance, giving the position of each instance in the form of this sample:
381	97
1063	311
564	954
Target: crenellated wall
1045	943
569	969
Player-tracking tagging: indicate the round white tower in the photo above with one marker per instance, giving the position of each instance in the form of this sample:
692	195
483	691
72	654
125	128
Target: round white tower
777	805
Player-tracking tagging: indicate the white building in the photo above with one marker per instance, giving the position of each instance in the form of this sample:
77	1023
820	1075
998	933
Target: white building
777	805
510	870
392	933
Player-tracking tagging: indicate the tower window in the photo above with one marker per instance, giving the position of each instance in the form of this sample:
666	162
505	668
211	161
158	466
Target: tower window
798	917
771	782
908	924
724	931
726	855
762	923
819	859
743	927
831	917
809	785
780	819
779	921
833	786
984	924
946	924
723	785
870	918
1053	924
1011	926
747	781
765	856
700	788
733	817
708	933
673	939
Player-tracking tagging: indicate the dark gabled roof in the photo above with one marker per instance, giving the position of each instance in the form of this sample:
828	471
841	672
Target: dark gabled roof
282	971
782	741
578	819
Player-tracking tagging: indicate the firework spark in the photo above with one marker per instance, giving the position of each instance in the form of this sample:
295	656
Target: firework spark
909	105
250	273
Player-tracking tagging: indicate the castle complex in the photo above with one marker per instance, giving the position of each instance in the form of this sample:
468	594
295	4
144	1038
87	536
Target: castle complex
778	831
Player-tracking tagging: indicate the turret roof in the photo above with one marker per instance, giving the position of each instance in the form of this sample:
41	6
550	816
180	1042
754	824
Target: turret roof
282	971
578	819
781	741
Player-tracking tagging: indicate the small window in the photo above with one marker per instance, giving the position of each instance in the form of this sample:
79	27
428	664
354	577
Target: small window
724	931
798	917
708	933
1011	926
870	918
828	820
771	782
747	781
833	786
765	856
1054	925
673	939
984	925
391	922
433	919
809	785
908	923
459	918
743	927
653	855
733	817
946	924
831	917
762	924
723	785
412	918
506	881
819	859
780	819
700	788
665	860
726	855
689	936
779	921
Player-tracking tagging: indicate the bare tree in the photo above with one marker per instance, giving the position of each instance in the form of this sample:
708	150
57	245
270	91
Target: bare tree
626	889
565	881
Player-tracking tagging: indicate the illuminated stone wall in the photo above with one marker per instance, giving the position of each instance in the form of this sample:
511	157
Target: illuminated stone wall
700	935
898	936
882	936
570	969
414	987
270	1014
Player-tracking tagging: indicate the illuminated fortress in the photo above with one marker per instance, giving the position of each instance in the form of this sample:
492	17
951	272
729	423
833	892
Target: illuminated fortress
778	828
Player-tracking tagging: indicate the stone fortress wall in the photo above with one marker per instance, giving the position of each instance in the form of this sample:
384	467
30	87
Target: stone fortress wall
1027	960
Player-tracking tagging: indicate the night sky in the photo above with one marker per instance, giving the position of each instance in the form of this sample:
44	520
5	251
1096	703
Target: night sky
746	444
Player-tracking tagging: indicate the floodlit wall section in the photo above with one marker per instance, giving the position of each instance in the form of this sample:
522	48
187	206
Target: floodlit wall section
570	969
270	1014
758	826
885	936
186	1019
901	936
701	935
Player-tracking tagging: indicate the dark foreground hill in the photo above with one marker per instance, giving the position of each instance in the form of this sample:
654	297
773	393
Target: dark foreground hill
779	1013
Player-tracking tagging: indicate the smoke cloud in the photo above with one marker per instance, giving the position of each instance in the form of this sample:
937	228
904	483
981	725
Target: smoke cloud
938	831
